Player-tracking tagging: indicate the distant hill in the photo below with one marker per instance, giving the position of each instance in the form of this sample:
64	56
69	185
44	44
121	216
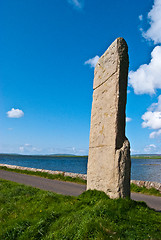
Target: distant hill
60	155
39	156
144	156
134	156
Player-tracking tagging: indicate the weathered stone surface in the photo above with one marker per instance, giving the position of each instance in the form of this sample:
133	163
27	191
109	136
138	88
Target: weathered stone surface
109	150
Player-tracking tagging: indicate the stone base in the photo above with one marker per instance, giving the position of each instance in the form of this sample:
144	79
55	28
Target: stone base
112	177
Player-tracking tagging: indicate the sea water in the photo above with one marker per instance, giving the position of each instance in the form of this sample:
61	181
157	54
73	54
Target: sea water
141	169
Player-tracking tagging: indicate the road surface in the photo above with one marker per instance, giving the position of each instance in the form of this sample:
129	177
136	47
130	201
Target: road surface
69	188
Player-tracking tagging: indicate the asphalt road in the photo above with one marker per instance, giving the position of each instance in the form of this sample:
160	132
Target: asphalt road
67	188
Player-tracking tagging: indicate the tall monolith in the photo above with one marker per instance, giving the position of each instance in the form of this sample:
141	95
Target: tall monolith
109	161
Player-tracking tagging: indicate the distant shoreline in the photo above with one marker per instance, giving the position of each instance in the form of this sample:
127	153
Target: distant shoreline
141	156
41	156
146	157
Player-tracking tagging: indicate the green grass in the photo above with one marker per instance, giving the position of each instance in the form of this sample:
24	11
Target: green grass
144	190
46	175
29	213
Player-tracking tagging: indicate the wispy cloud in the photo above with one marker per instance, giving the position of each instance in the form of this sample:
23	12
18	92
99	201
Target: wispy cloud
155	134
128	119
77	3
67	150
29	149
92	61
15	113
150	148
141	17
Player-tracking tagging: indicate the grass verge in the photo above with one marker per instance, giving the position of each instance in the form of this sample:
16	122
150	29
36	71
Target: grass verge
47	175
29	213
144	190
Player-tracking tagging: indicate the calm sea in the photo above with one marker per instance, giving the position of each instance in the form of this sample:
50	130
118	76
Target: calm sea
141	169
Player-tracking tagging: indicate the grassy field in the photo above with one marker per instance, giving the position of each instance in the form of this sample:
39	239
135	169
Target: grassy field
29	213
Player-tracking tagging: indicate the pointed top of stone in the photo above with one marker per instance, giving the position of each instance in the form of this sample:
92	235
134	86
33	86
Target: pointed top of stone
117	51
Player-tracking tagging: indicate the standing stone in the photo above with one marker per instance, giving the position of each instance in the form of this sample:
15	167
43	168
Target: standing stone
109	150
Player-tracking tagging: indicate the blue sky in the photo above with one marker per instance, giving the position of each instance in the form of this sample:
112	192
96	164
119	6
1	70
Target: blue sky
48	50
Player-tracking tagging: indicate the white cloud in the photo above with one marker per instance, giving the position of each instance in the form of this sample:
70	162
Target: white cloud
134	151
152	145
77	3
140	17
29	149
21	148
92	61
152	118
15	113
154	31
128	119
67	150
150	148
147	78
27	145
155	134
156	106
